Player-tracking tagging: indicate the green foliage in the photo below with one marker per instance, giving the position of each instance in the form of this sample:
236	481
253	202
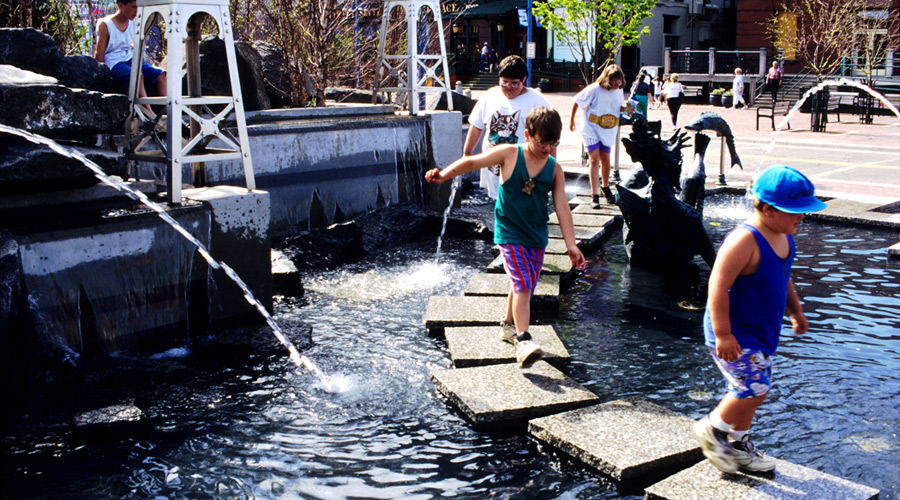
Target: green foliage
718	91
57	18
595	29
728	92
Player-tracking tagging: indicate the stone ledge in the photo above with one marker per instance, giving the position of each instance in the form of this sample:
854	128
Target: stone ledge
630	440
446	311
505	392
481	345
789	481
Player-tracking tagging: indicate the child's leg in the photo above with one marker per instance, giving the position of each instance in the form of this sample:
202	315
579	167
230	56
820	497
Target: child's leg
603	156
595	158
738	413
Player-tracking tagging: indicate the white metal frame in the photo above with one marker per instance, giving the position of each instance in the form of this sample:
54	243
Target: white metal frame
400	70
182	32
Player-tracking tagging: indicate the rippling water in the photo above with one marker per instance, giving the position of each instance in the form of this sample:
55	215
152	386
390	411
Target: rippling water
265	431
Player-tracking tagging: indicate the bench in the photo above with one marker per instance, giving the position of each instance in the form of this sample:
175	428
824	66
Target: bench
766	108
834	106
693	90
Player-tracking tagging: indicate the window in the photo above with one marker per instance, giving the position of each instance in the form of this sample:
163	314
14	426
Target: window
669	23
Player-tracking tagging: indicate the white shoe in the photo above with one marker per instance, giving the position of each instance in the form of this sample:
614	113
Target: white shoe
507	333
528	353
715	446
751	459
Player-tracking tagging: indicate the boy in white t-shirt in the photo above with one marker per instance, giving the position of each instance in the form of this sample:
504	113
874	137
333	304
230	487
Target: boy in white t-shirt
602	102
501	112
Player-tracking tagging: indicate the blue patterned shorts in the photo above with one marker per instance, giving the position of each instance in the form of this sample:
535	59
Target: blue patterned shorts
748	377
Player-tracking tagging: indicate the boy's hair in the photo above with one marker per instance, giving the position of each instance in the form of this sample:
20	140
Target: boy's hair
611	71
126	2
545	122
738	71
674	77
513	68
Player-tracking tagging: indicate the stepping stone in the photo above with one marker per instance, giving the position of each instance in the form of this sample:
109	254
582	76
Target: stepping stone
481	345
546	293
554	264
444	311
630	440
557	246
505	392
587	220
604	209
894	250
582	234
789	481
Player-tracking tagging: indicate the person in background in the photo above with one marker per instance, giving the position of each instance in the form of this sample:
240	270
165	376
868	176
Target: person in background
773	79
673	93
528	174
641	92
750	289
737	88
485	57
501	112
657	92
115	40
602	103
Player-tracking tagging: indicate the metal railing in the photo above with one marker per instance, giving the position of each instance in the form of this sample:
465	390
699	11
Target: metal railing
715	62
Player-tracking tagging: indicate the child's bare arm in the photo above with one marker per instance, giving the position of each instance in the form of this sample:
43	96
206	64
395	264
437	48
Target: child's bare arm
795	310
733	258
564	215
572	117
494	156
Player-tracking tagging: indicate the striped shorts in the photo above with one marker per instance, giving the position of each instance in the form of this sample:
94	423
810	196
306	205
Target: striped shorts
522	265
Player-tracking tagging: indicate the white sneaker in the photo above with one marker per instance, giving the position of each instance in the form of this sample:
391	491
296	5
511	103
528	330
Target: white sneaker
715	446
528	353
748	457
507	333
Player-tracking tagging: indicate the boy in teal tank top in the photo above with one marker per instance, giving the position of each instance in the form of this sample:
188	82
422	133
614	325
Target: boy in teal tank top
527	176
750	288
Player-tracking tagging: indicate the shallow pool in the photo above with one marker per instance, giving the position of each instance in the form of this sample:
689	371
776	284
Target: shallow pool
262	430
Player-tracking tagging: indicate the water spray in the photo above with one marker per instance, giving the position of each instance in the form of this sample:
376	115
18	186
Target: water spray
325	382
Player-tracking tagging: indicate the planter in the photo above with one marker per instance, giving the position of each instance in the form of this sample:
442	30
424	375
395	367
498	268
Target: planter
727	100
715	99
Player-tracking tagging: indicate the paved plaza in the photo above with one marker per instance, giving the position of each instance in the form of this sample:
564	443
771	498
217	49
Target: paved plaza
850	160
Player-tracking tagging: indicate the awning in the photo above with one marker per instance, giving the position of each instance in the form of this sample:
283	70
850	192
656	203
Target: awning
497	7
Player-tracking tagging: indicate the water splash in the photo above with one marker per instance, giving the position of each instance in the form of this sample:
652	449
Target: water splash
829	83
325	382
453	188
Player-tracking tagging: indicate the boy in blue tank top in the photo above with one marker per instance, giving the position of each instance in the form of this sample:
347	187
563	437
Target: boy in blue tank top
527	176
750	288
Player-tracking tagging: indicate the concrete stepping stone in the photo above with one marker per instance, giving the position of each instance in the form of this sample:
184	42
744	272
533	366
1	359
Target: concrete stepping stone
633	441
546	293
444	311
894	250
588	220
554	264
612	210
583	234
557	246
481	345
505	392
789	481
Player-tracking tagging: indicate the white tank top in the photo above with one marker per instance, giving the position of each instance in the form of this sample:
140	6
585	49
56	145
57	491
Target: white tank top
119	48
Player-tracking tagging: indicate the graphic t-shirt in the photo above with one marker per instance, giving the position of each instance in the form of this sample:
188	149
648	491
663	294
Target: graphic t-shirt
601	110
503	122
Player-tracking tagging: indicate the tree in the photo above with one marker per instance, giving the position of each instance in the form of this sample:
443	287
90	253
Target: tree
68	25
596	30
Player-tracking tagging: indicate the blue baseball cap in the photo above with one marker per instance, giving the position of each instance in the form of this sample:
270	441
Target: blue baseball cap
787	190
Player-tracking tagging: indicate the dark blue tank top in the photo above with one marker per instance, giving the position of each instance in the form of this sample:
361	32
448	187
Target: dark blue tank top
521	218
757	302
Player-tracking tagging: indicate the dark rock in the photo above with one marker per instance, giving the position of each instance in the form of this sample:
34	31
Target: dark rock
349	95
35	51
461	103
112	422
391	226
274	74
325	248
30	168
55	110
285	276
215	78
12	285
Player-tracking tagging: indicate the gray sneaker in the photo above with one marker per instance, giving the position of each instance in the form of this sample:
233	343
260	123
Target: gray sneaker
749	458
715	446
507	333
528	353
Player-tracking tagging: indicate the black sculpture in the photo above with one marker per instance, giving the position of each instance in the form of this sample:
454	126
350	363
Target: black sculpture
663	232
